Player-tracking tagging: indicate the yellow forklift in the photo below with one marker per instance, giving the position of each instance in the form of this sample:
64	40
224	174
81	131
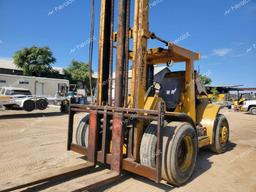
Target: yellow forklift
222	95
156	129
248	95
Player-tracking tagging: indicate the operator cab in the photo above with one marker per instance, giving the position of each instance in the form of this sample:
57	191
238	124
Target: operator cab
170	85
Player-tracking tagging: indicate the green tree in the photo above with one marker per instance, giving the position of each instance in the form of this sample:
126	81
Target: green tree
34	60
205	80
78	72
215	93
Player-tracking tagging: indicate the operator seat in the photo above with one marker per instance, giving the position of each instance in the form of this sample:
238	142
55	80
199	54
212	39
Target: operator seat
171	88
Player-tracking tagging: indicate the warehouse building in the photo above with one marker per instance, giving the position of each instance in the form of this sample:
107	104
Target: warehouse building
11	76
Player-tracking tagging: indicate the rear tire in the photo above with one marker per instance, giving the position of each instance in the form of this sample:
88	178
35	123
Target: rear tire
29	105
221	135
82	132
253	110
41	104
179	151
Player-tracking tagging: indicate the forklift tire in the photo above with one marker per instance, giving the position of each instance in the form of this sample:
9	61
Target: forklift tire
82	132
253	110
179	151
41	104
29	105
148	146
221	135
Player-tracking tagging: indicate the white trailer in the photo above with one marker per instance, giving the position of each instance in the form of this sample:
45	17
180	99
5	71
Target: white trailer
39	86
22	98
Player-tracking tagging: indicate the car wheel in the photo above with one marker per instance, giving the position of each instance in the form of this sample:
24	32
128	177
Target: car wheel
253	110
29	105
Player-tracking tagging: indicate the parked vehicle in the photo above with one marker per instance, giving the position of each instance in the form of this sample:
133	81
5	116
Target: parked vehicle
22	99
38	86
249	105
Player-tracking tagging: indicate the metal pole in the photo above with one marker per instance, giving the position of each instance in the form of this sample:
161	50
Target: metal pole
120	59
91	50
110	78
104	51
126	76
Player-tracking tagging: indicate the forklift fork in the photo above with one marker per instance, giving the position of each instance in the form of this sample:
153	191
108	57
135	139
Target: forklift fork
99	150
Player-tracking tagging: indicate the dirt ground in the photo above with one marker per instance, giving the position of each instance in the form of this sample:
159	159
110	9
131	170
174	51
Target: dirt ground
33	145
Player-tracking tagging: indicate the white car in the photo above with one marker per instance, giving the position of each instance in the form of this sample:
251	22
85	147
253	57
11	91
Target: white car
250	106
22	98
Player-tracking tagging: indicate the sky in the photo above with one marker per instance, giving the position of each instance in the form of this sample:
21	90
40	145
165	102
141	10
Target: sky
223	32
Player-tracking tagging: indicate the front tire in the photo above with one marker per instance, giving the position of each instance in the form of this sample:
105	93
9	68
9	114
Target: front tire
221	135
82	132
253	110
179	151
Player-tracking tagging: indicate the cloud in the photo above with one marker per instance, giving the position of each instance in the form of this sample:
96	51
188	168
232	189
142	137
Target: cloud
238	43
221	52
239	55
204	56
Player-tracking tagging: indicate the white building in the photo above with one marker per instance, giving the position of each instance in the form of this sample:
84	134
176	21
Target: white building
39	86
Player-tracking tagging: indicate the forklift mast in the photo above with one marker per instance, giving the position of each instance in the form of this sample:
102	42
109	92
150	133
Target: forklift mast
106	40
141	69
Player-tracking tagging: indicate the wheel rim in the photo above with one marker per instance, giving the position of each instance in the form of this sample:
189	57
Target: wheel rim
253	111
224	135
185	153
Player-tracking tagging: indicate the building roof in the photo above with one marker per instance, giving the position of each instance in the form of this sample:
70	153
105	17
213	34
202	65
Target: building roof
8	64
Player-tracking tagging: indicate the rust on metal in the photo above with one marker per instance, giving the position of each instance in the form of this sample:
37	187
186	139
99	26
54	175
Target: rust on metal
131	166
104	51
117	143
160	125
105	137
79	149
110	78
126	61
139	53
121	54
87	108
93	133
139	70
108	157
115	158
